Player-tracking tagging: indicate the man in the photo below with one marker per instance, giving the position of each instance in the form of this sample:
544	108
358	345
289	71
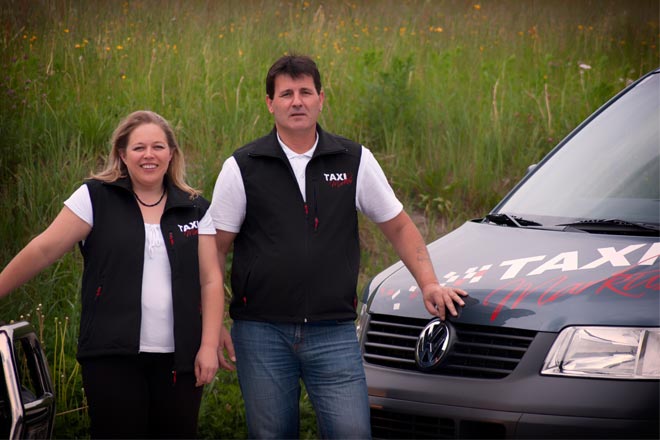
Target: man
287	202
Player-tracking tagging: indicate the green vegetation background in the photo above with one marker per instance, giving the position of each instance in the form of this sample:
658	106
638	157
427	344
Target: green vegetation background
455	98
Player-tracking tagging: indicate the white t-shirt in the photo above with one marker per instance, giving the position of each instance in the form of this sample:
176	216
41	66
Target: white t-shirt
157	324
374	196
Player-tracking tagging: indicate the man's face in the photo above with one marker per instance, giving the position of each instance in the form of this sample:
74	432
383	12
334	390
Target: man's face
296	104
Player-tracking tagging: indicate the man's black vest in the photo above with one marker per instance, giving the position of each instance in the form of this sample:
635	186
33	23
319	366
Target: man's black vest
112	278
297	261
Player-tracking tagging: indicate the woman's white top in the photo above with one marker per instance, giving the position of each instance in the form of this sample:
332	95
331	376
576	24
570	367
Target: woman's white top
157	324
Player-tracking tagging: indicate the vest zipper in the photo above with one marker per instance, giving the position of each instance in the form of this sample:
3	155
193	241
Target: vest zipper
316	218
316	208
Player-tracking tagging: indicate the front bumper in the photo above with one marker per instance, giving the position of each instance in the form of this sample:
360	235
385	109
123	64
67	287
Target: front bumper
394	419
410	404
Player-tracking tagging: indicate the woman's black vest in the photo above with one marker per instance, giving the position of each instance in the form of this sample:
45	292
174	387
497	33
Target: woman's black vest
112	278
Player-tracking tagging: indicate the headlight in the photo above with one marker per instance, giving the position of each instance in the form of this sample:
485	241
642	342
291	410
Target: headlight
605	352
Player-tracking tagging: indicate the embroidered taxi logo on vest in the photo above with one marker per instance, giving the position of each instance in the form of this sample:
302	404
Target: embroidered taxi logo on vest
336	180
190	229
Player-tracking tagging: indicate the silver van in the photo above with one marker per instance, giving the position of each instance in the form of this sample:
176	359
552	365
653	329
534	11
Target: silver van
560	334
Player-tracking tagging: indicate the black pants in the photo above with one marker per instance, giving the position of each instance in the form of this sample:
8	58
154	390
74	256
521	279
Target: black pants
140	397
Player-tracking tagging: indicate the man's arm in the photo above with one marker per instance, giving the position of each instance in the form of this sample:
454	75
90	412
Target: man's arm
409	245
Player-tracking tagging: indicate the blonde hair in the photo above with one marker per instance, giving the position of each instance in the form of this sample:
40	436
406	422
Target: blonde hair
116	169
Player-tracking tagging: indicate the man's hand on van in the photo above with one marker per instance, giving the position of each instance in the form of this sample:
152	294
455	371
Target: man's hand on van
437	298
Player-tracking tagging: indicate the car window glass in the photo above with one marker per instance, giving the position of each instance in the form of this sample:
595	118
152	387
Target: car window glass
27	370
610	169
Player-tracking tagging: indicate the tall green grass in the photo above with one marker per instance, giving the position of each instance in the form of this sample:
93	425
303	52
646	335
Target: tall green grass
455	98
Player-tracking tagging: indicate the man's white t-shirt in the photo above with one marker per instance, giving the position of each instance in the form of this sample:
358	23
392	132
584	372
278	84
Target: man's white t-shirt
374	196
157	324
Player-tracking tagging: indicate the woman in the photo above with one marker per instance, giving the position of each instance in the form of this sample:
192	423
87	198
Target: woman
152	291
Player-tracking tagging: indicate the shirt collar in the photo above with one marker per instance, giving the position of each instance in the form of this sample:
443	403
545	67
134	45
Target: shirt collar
290	154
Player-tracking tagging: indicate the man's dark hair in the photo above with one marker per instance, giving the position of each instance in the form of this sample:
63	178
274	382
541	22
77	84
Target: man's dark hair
294	66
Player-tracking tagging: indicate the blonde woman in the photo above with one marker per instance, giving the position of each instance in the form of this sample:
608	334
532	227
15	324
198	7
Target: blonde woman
152	299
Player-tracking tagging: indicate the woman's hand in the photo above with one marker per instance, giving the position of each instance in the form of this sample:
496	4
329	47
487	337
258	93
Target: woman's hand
206	365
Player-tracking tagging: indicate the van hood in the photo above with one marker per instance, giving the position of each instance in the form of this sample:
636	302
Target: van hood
534	279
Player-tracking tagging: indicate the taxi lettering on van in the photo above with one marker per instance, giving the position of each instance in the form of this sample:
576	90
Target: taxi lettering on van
637	278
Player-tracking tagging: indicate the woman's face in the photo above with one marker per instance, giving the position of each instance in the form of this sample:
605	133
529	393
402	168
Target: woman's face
147	155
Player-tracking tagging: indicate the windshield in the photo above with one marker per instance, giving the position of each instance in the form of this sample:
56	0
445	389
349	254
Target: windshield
610	169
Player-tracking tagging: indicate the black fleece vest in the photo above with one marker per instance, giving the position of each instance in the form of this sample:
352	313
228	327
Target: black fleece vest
112	278
297	261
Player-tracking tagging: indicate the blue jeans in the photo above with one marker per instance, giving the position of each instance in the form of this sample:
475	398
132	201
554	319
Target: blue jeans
272	358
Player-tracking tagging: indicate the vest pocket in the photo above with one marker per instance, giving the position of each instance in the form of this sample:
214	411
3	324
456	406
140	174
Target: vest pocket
89	312
245	285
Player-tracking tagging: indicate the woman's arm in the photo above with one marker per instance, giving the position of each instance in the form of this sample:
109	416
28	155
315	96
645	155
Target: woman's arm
224	241
61	236
213	306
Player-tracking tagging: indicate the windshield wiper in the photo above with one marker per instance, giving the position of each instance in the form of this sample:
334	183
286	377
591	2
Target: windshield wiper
510	220
613	226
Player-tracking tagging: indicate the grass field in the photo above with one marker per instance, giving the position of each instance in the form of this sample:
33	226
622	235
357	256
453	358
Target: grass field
455	99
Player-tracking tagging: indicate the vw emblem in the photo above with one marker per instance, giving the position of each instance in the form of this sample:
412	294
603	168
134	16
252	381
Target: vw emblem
432	344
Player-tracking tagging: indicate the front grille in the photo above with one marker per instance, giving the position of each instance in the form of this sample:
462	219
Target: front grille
478	351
